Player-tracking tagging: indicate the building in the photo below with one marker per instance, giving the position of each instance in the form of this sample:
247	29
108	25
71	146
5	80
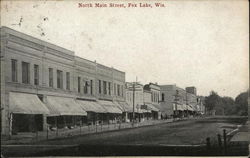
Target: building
46	86
134	98
154	106
191	90
177	102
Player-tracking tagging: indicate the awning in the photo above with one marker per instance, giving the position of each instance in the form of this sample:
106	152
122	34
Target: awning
110	106
91	106
157	106
190	108
64	106
152	107
179	107
125	106
23	103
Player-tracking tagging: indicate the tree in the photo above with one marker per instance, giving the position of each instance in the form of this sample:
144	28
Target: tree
241	103
228	105
212	101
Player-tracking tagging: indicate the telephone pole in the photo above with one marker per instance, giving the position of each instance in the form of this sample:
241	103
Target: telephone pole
134	101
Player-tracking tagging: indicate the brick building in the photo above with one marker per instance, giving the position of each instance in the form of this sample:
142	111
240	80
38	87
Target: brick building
44	85
178	102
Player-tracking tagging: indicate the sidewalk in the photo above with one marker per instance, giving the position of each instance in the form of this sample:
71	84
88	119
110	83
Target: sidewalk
29	138
243	134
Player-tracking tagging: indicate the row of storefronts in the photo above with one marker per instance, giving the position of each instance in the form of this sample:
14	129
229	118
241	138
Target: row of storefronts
30	113
44	86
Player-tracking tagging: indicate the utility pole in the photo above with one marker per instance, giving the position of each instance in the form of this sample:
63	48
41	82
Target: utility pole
134	101
187	104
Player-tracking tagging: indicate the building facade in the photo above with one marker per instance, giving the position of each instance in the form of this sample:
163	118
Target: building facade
178	102
154	106
46	85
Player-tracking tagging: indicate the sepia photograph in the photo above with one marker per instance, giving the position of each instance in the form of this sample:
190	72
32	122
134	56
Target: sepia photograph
83	78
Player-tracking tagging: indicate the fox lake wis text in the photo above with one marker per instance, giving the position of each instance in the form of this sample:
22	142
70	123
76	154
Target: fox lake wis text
121	5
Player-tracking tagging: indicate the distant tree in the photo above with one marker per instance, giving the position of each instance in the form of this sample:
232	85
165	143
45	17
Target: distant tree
228	106
213	101
241	103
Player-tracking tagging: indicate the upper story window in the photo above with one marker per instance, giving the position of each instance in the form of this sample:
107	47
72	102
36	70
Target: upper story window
163	97
109	87
121	90
85	88
36	75
118	90
104	87
14	70
91	87
114	89
67	80
25	72
50	77
79	84
100	86
59	79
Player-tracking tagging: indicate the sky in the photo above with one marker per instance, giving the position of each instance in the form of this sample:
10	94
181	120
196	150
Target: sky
188	43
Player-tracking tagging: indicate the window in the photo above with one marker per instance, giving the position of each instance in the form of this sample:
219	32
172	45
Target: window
14	70
59	79
67	80
114	89
50	77
109	85
25	72
91	87
118	90
85	88
152	95
163	97
104	87
79	84
100	86
36	74
122	91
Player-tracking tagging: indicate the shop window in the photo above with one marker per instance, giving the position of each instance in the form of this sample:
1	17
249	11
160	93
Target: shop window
14	70
36	75
59	79
25	72
50	77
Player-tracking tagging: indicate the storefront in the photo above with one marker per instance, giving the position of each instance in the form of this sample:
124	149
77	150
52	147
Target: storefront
95	112
26	113
64	112
114	113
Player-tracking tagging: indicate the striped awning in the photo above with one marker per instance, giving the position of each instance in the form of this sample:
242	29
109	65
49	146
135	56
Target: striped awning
64	106
151	107
179	107
125	107
91	106
24	103
110	106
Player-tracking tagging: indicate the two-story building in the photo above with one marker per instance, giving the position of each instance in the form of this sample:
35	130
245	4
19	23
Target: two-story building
176	101
44	85
154	105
